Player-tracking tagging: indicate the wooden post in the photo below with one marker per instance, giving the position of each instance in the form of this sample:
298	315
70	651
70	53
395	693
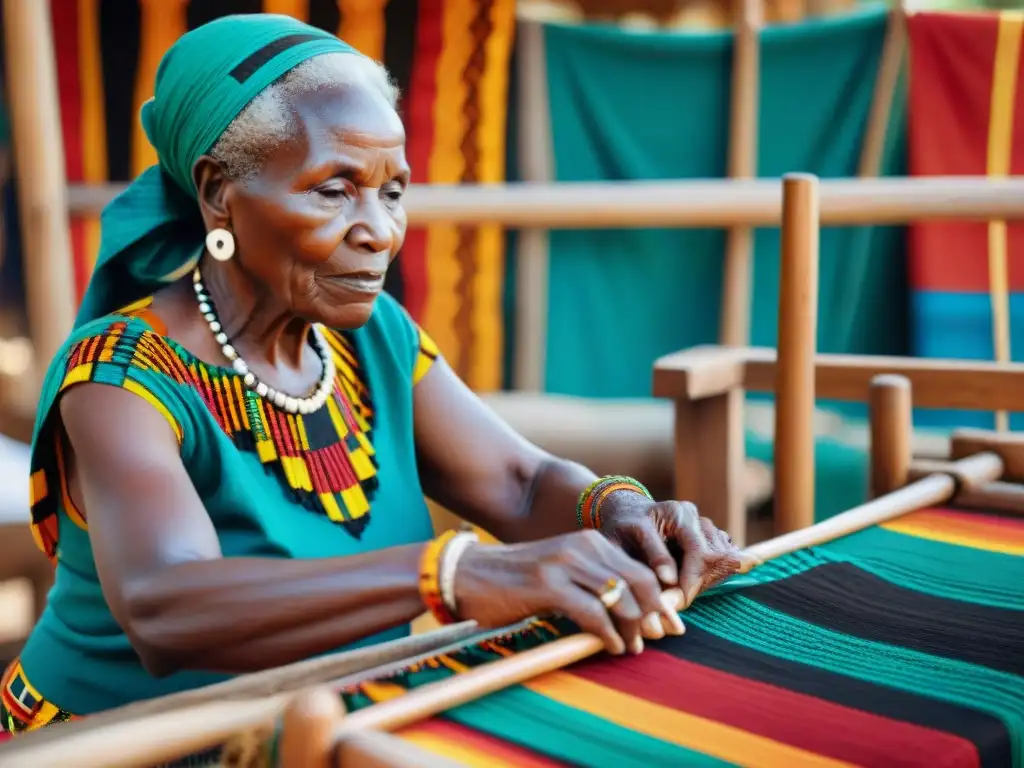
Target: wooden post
39	163
709	459
798	325
531	302
743	128
307	738
889	403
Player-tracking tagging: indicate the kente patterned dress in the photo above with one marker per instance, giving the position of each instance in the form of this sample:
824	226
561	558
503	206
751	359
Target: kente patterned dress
334	483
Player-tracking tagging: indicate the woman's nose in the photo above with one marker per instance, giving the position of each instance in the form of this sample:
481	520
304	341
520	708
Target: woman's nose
370	231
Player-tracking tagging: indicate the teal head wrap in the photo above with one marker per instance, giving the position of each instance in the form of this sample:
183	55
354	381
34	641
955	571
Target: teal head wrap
153	230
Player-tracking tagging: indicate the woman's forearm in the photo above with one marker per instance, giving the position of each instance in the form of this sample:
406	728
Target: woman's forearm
246	614
549	504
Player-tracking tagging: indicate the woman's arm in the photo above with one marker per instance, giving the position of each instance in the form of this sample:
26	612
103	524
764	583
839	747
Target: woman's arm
476	465
180	602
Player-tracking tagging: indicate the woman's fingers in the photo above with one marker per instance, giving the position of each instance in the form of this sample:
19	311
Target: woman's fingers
649	545
613	589
659	620
585	609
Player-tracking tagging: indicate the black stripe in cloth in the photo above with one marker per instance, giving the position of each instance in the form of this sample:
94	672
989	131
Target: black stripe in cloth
252	63
846	599
988	734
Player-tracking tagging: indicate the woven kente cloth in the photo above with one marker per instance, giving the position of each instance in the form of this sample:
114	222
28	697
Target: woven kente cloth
902	645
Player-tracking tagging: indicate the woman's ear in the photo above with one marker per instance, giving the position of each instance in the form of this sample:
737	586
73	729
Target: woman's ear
212	189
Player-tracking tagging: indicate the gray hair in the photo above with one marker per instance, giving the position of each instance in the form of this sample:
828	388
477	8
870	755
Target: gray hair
267	121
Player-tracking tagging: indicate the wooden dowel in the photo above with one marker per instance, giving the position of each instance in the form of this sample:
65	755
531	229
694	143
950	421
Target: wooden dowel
798	323
889	403
307	735
286	679
697	203
969	473
928	491
997	495
743	129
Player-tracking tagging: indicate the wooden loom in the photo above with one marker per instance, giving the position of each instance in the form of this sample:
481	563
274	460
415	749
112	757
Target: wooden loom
317	733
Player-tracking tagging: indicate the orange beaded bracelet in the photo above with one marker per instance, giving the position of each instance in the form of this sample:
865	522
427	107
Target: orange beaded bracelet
430	577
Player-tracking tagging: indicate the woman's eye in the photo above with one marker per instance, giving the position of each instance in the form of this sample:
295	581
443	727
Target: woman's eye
393	192
334	189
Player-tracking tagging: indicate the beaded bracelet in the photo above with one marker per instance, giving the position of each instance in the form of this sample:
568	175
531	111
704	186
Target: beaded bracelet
437	573
588	508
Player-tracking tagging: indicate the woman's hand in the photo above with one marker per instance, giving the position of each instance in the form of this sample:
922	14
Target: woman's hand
565	575
644	528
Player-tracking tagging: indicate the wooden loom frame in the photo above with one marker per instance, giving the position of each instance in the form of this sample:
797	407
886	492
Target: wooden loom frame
317	733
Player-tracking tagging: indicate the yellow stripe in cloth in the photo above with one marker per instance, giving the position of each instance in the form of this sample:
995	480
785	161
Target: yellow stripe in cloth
1000	145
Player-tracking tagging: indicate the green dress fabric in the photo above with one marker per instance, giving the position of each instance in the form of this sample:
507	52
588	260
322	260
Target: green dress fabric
77	657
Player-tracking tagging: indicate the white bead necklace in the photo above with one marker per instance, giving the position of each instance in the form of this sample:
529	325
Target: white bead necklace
288	403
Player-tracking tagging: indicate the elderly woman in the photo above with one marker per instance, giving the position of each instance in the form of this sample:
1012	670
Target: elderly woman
233	447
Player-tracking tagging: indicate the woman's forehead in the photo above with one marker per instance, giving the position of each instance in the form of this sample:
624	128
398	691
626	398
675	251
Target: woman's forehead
348	113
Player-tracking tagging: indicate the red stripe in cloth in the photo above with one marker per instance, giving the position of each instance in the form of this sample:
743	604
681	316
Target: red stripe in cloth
952	59
802	721
65	42
420	122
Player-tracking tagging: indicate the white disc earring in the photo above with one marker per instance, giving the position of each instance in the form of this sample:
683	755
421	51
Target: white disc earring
221	244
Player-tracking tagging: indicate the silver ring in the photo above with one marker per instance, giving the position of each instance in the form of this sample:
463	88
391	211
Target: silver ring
612	593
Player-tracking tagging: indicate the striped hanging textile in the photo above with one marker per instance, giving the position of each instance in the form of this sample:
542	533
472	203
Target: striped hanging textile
450	60
966	118
902	645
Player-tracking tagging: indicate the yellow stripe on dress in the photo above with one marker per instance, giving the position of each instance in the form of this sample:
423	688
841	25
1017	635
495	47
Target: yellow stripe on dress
138	389
425	357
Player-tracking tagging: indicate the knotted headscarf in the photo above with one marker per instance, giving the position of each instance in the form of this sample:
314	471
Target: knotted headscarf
153	230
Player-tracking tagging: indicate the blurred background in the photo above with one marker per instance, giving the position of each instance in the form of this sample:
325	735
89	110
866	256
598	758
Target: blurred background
559	329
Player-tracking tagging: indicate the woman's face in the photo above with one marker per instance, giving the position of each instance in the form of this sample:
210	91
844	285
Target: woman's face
319	225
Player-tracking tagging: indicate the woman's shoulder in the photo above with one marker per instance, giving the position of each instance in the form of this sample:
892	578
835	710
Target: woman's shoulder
129	349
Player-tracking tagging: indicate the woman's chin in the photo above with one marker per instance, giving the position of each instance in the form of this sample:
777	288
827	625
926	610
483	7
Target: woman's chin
343	317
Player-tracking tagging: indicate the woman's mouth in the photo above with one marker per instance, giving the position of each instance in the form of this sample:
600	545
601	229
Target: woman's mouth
358	282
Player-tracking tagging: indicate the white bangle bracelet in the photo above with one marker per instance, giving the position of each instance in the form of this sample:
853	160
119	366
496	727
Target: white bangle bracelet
449	562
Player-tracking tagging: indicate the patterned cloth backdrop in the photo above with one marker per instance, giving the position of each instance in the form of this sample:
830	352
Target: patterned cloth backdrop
450	59
966	118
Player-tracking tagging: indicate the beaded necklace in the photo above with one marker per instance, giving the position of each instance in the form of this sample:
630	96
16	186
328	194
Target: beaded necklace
291	404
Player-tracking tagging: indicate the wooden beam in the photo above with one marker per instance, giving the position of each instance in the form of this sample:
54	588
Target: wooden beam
713	203
960	384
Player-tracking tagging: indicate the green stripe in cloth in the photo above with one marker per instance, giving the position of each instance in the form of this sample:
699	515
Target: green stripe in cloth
934	567
579	738
745	622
